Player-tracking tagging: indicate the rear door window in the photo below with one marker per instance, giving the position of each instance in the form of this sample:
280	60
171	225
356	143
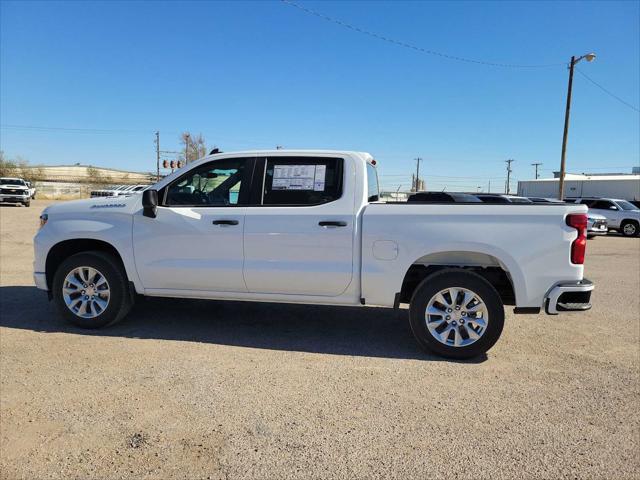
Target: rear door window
601	204
302	181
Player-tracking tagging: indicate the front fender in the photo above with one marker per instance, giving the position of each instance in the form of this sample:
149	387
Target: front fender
116	230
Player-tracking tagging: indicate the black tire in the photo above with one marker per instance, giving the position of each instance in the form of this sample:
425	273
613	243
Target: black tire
27	204
451	278
629	228
591	237
120	300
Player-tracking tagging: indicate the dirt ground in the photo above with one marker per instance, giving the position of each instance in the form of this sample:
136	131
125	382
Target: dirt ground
194	389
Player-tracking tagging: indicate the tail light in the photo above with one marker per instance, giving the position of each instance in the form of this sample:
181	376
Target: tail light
578	247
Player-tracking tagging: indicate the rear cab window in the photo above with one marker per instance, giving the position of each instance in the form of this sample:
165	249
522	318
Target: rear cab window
373	188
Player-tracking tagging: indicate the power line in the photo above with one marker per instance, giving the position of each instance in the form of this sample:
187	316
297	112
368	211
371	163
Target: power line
37	128
408	45
606	91
441	176
76	130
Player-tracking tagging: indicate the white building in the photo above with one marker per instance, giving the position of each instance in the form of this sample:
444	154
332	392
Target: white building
626	186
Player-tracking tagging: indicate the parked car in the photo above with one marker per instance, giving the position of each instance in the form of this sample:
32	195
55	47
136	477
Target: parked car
442	197
308	227
32	190
108	191
500	198
544	200
14	190
621	215
118	190
596	225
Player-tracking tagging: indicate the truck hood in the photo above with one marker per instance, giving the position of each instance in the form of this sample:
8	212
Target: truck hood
124	204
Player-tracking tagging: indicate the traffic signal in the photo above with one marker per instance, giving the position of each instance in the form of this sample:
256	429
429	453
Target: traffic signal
179	163
165	164
172	164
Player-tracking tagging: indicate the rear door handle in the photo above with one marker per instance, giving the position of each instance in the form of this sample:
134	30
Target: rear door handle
225	222
332	224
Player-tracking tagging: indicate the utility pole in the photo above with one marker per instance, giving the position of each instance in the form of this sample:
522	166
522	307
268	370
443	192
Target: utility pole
508	186
489	189
418	160
589	57
536	165
157	156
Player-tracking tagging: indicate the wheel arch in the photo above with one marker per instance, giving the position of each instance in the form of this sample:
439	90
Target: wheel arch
66	248
490	267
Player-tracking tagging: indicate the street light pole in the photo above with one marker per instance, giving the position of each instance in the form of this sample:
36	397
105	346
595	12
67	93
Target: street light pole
566	130
589	57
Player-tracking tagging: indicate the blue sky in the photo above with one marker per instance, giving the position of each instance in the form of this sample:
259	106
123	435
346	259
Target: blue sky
258	74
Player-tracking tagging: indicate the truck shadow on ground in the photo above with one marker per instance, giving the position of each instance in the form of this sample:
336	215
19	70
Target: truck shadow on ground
369	332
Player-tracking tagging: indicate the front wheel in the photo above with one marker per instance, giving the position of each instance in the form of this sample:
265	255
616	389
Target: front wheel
456	314
90	290
630	228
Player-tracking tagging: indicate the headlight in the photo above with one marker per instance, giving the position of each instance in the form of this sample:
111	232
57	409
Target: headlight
43	219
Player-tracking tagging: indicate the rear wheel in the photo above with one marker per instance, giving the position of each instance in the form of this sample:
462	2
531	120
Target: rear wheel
629	228
456	314
90	290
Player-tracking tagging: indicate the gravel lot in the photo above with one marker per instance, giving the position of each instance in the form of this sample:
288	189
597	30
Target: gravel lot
193	389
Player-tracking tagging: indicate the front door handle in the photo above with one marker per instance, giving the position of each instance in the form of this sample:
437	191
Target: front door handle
225	222
332	224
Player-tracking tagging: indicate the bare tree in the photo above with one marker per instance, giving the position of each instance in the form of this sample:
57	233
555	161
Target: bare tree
8	168
193	146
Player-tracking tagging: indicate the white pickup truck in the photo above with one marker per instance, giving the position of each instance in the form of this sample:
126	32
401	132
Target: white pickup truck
308	227
16	190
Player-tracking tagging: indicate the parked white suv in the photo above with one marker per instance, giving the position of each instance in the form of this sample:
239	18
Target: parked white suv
308	227
621	215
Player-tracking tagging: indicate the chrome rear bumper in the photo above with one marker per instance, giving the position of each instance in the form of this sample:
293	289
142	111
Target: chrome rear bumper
569	296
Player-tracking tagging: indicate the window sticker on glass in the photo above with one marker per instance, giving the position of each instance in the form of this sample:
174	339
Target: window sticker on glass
298	177
318	183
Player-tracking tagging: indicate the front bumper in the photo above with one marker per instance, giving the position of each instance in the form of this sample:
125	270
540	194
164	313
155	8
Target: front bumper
569	296
597	229
14	198
40	279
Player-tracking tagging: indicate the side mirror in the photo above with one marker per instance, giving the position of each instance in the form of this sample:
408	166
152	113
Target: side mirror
612	207
150	203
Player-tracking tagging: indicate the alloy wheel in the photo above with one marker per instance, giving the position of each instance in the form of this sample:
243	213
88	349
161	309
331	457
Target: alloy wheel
456	317
86	292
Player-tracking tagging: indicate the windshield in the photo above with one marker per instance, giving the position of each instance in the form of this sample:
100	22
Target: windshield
623	204
11	181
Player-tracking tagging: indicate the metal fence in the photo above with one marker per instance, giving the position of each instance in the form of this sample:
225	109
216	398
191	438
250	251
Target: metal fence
62	191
